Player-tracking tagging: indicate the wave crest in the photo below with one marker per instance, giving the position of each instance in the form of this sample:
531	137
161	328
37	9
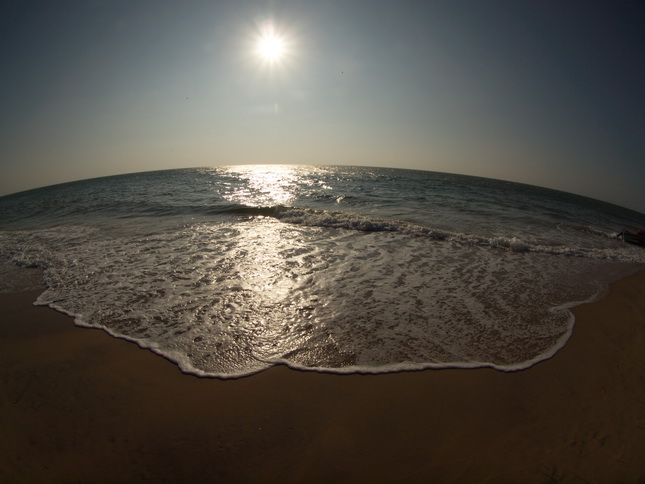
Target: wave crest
512	243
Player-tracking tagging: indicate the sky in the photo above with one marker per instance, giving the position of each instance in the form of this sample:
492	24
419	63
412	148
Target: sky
550	93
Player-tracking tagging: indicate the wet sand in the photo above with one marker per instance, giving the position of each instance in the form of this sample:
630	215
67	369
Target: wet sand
80	406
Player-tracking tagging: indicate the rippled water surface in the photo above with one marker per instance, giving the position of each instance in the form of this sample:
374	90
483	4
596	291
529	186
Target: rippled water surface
228	271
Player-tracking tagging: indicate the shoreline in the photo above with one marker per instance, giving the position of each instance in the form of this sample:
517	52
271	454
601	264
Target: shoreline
78	404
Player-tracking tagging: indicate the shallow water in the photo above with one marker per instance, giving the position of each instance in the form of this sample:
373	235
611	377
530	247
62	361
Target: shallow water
228	271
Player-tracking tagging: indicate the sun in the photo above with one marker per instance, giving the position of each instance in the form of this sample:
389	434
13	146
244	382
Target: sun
271	48
272	45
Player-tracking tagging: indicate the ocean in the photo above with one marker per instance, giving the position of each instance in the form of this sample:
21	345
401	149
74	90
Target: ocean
228	271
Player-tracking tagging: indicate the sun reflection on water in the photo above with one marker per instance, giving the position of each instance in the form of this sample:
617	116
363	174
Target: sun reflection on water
258	295
264	186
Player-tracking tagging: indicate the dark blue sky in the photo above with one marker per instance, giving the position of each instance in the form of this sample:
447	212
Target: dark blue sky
542	92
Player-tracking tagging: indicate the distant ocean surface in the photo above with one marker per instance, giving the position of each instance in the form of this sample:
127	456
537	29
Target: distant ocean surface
228	271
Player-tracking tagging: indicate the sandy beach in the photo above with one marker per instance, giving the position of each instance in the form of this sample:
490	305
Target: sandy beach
81	406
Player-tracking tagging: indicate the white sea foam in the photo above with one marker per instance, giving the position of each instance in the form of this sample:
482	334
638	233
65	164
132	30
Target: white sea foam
615	251
230	299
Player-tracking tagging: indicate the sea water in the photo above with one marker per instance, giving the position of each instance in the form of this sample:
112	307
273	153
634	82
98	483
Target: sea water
228	271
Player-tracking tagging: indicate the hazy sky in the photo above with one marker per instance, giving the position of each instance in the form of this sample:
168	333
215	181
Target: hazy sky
550	93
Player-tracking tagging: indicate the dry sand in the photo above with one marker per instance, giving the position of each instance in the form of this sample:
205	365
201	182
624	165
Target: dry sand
80	406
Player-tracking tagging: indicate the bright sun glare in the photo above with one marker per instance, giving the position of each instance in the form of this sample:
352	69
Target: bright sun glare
271	47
